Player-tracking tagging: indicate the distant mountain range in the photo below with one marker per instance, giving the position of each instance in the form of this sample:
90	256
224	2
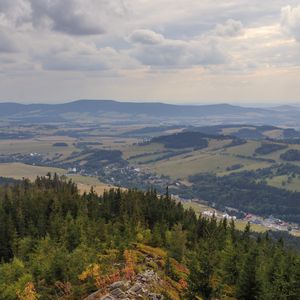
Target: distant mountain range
105	110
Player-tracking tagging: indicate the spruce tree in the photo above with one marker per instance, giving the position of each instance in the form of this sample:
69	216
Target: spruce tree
248	285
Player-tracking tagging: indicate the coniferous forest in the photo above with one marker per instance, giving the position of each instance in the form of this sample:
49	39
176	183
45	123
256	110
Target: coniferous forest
58	244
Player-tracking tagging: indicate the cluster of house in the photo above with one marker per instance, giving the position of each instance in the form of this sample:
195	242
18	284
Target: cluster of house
270	222
214	213
33	154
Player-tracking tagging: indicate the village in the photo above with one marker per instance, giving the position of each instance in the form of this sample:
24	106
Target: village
270	223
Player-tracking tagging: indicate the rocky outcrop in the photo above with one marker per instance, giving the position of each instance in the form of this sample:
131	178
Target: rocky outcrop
139	288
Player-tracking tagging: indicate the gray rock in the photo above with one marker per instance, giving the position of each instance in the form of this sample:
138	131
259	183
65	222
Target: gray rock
107	297
136	288
117	284
118	293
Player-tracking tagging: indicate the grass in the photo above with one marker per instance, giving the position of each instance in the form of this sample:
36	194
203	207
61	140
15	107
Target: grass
277	181
197	207
240	225
276	155
184	166
134	150
245	149
213	159
250	166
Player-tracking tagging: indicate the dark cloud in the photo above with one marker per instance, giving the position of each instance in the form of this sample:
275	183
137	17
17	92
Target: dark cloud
7	44
64	16
231	28
14	12
79	59
155	50
145	36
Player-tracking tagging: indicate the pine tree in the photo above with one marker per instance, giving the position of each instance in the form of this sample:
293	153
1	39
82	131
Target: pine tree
201	272
229	264
248	285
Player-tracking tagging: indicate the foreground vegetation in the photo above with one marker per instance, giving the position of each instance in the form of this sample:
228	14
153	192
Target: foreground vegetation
58	244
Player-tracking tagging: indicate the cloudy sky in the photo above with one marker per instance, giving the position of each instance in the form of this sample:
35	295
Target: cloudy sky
180	51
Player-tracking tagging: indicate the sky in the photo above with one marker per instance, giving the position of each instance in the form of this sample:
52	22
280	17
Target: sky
175	51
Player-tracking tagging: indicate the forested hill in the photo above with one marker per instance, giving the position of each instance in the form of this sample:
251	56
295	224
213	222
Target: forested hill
97	111
58	244
96	106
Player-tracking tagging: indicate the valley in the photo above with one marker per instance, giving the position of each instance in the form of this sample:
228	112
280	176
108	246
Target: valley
220	166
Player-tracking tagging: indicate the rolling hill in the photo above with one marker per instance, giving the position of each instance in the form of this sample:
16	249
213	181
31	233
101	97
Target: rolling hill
98	110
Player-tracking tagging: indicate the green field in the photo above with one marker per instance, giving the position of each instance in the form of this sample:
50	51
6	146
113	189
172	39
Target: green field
284	182
133	150
214	159
245	149
184	166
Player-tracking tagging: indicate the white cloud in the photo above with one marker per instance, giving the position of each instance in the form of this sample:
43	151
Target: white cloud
290	20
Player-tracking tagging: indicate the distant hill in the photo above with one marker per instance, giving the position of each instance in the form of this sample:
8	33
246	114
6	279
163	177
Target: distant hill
94	106
97	110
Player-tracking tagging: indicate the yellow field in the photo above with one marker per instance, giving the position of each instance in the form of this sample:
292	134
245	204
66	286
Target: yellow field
274	134
20	171
41	146
99	188
229	131
85	183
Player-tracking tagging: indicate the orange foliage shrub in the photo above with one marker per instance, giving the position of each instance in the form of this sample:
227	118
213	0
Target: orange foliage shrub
101	281
128	270
183	283
29	292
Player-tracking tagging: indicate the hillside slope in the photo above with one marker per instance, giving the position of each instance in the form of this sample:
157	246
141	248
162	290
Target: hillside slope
57	244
